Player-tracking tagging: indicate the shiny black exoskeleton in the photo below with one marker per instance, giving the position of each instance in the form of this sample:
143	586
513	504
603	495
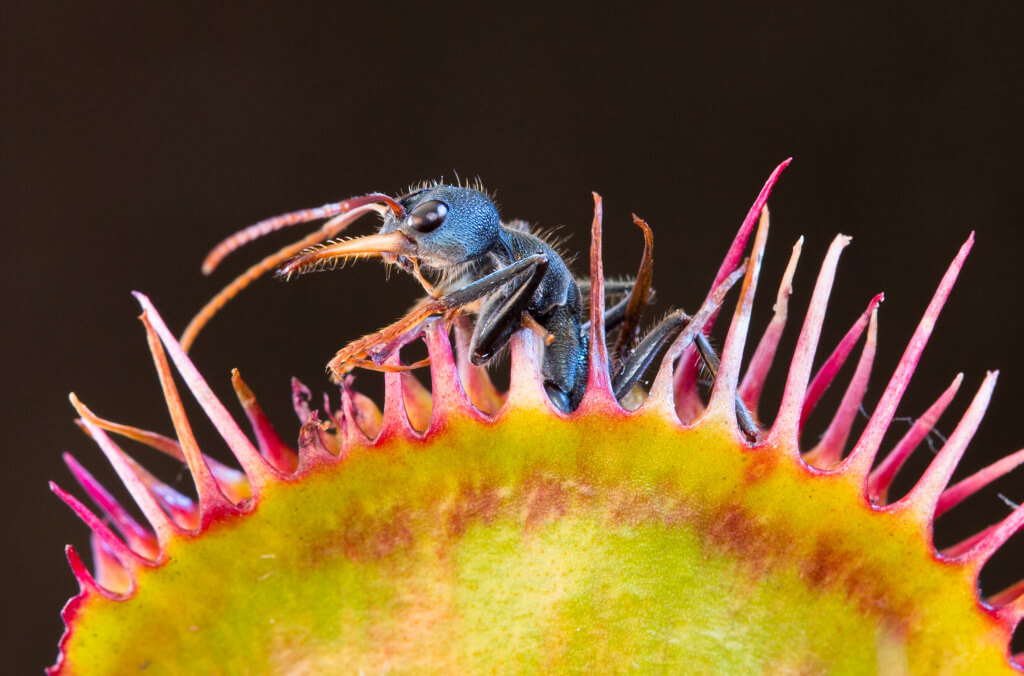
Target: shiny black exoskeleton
513	272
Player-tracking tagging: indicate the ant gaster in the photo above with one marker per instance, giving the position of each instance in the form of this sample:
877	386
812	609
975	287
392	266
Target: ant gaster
508	276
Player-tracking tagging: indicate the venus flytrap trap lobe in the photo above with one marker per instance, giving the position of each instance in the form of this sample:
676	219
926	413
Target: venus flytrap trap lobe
467	530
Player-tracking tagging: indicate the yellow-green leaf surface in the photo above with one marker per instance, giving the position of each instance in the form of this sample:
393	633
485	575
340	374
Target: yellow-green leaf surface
535	544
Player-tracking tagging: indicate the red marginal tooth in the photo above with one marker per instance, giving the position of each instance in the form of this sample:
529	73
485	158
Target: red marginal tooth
211	499
992	538
165	445
962	490
361	417
128	472
1011	614
128	558
687	402
598	395
110	574
924	496
858	463
314	444
525	389
786	429
723	394
256	468
661	397
86	582
279	454
829	450
882	477
183	511
142	540
232	481
764	354
301	397
396	419
1014	594
827	372
448	396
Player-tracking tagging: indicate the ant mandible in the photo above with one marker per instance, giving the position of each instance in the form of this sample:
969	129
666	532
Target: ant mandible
504	274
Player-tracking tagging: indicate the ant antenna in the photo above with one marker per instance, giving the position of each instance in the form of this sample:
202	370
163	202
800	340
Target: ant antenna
275	223
341	215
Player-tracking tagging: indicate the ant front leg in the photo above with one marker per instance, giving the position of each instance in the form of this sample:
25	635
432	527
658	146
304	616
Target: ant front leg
637	361
371	351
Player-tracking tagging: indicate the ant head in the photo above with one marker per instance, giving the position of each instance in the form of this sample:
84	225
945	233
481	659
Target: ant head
438	226
445	224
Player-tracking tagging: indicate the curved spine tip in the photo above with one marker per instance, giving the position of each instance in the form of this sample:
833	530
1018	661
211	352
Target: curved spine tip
986	543
141	539
124	554
258	470
279	454
965	488
166	445
881	477
785	431
858	463
923	497
301	396
722	402
686	374
829	450
87	584
211	498
835	361
764	354
598	393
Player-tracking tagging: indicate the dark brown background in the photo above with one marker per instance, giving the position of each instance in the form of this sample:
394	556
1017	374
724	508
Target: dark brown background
134	137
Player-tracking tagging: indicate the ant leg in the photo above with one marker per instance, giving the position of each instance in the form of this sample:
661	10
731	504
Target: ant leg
380	344
496	280
614	316
637	361
496	323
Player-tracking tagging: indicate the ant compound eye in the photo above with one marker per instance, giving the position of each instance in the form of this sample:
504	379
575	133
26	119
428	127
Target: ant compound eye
427	216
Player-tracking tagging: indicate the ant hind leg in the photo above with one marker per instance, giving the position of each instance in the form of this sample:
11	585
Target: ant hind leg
639	359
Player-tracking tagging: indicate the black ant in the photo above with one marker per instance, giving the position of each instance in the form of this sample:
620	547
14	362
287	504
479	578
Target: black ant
507	276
